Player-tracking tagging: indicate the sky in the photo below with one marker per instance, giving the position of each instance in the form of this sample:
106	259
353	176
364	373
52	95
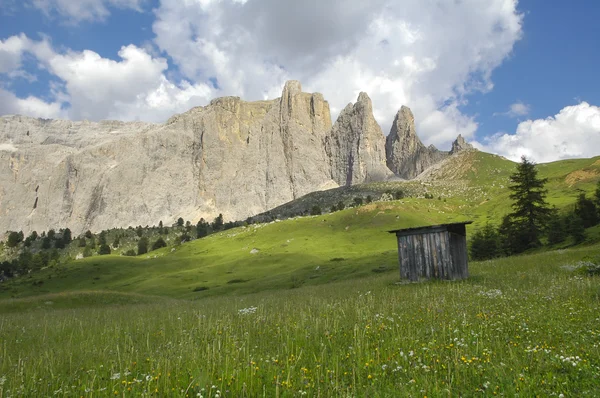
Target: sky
512	77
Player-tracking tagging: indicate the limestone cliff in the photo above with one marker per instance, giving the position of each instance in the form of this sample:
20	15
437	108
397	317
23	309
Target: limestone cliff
232	157
356	145
406	155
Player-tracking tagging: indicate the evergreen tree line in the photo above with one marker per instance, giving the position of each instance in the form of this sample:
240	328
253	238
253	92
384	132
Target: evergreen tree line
41	250
533	222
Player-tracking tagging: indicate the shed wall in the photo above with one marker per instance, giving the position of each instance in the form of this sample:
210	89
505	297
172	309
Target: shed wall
425	255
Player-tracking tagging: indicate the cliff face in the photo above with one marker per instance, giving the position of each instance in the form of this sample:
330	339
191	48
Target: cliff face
232	157
356	145
406	155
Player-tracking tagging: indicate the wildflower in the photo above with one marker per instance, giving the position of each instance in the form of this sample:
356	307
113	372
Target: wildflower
115	376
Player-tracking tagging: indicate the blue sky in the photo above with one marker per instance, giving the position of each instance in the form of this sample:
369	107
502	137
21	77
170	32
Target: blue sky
512	77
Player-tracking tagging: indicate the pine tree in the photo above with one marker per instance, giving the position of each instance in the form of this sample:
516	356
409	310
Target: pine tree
530	210
202	229
576	228
557	231
217	224
66	236
159	243
13	239
586	210
142	246
485	244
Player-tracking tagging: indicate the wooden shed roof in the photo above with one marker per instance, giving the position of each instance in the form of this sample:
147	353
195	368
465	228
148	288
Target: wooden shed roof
428	228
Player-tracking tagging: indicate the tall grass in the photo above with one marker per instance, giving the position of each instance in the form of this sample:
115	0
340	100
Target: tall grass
526	325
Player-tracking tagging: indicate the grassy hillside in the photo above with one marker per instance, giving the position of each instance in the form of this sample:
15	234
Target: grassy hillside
525	326
352	243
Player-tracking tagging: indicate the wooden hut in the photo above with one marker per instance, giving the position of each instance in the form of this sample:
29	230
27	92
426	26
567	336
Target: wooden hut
437	251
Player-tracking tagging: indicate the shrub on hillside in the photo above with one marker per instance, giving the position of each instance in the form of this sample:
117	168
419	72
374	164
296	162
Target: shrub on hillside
13	239
315	211
130	253
160	242
104	249
142	246
87	252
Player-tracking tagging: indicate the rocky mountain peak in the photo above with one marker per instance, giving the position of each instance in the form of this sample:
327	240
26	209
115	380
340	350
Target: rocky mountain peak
356	145
460	145
406	155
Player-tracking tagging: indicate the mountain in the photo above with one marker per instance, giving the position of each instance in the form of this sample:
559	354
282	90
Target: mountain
232	157
356	145
406	155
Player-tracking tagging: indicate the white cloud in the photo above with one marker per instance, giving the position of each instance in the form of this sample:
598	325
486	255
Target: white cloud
516	110
75	11
573	133
427	57
95	88
10	104
11	52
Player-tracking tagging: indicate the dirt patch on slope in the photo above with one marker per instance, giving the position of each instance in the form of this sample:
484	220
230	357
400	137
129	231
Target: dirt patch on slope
581	175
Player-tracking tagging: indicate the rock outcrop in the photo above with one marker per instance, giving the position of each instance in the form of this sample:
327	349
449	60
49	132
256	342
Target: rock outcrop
460	145
406	155
232	157
356	145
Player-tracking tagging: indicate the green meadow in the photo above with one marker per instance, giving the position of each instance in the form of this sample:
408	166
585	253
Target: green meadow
313	306
525	326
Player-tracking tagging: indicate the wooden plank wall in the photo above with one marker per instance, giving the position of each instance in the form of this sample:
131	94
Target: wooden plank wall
458	247
439	255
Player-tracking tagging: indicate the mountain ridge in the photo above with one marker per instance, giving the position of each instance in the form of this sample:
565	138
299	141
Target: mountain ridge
231	156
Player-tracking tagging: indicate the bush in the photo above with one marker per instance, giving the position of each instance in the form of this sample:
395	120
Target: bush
87	252
485	244
104	249
66	236
341	205
358	201
180	222
159	244
13	239
399	194
130	253
81	242
369	198
315	211
142	246
184	238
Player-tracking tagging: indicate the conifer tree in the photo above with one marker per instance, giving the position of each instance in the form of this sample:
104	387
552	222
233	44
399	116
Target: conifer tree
586	210
530	210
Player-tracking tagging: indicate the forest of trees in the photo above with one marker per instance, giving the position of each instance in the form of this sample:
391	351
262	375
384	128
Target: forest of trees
533	223
54	247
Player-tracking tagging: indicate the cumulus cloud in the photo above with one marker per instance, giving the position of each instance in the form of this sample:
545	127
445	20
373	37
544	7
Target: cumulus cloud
10	104
95	88
83	10
573	133
428	57
516	110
